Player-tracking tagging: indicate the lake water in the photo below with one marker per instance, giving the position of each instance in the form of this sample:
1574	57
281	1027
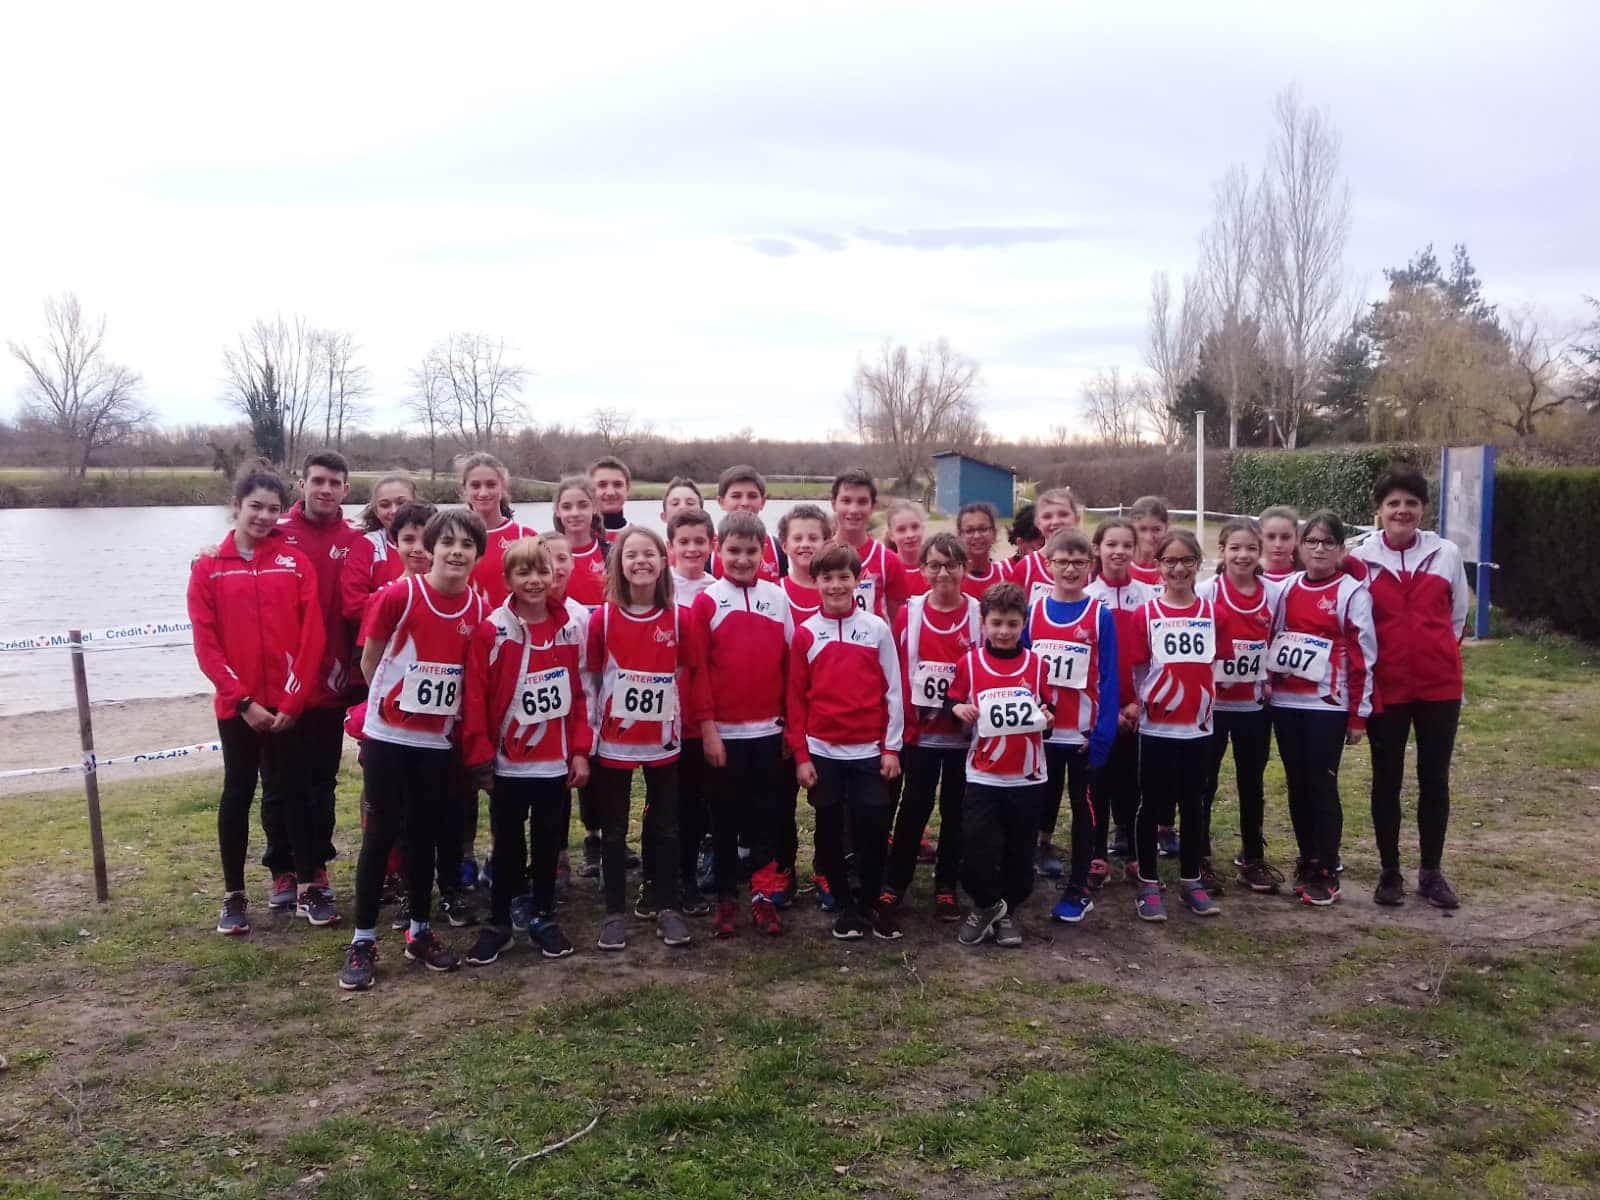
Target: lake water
92	568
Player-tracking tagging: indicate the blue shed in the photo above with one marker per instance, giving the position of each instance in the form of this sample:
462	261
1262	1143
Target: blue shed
961	479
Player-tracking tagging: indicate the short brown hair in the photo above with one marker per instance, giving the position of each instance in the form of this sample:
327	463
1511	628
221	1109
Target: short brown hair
1004	598
741	473
743	525
690	516
854	477
1068	539
456	520
612	462
946	544
836	556
805	512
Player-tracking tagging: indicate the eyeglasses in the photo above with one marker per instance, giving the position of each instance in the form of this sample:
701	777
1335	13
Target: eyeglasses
1188	560
979	531
1318	543
1080	563
941	568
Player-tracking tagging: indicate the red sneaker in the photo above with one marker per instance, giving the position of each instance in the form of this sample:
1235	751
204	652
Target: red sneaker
727	914
945	907
765	918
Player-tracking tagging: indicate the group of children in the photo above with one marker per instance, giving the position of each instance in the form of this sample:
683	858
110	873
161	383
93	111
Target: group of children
733	668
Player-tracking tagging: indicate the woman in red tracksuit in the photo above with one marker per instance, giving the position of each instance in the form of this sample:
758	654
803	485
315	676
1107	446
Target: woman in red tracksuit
372	560
258	637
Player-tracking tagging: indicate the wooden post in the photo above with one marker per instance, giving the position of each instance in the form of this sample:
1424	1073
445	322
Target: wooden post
91	782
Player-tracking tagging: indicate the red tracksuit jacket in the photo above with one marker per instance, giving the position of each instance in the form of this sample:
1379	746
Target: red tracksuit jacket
1419	609
373	561
745	633
258	628
845	698
327	544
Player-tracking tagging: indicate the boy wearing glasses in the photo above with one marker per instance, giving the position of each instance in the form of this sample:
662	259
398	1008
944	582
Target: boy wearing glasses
1076	638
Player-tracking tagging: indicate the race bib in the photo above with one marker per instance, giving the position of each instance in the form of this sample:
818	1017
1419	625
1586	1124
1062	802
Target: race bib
1066	664
1183	640
867	594
1248	664
543	696
930	683
1301	654
644	696
1009	710
432	689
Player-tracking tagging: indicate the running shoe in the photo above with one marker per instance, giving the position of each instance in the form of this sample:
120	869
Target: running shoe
521	913
285	891
764	916
1048	862
427	949
693	903
591	856
1322	890
885	924
927	851
1099	872
645	907
826	900
490	945
849	925
614	932
671	929
316	906
945	907
1167	841
1259	876
1198	900
1436	890
1008	931
546	936
1148	903
360	964
234	919
458	910
979	923
1073	906
1208	878
1302	872
889	898
1391	889
469	874
321	880
725	925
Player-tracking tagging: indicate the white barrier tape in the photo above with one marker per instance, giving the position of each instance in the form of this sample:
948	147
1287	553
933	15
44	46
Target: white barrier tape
144	756
98	639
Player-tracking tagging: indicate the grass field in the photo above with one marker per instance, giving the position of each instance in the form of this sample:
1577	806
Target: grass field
1276	1051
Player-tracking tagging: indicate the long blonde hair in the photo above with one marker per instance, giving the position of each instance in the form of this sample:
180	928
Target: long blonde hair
369	517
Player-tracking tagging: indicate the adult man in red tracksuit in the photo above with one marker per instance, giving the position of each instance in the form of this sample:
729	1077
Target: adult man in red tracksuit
316	526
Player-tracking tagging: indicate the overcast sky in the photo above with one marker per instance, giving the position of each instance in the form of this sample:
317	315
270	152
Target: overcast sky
705	213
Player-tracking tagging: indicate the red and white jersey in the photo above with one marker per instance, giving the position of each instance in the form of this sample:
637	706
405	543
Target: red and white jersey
931	643
1007	749
745	632
1279	577
1324	647
526	709
420	682
1032	575
1419	610
1124	600
1071	654
772	563
635	658
804	603
1244	631
883	580
1146	573
588	582
976	585
916	581
1175	651
845	698
685	589
372	561
488	573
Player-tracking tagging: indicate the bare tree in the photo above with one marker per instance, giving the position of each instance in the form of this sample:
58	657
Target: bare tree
1160	414
909	404
482	389
1113	408
1305	221
426	404
344	383
1534	386
71	390
615	428
1172	351
272	381
1229	251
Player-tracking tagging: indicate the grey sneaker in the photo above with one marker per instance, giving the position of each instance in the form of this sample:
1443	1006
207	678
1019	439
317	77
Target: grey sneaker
1198	899
976	925
1008	931
316	906
359	965
1147	902
671	929
458	909
614	932
234	919
1436	890
1391	889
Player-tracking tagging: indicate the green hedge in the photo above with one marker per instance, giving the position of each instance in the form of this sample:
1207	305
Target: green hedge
1547	543
1311	479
